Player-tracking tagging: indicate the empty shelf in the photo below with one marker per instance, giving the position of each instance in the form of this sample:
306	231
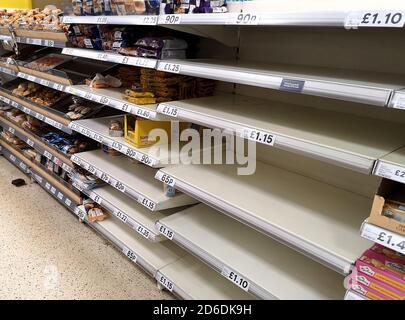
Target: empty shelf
316	219
128	211
392	166
362	87
97	129
349	141
150	256
134	179
255	262
191	279
114	98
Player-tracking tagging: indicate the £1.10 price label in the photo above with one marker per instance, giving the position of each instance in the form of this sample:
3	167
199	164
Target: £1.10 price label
259	136
235	278
379	19
390	171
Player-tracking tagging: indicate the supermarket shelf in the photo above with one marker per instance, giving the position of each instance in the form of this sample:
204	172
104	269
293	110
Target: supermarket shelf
341	139
256	263
191	279
51	184
351	295
134	216
41	42
361	87
56	157
134	179
36	112
387	238
148	255
10	72
113	98
316	219
398	100
111	57
392	166
143	20
97	129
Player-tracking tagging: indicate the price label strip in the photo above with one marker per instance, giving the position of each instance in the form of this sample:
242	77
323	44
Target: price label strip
245	19
169	67
390	171
130	254
384	237
170	19
120	215
165	282
376	19
165	178
259	136
168	110
234	277
147	203
169	234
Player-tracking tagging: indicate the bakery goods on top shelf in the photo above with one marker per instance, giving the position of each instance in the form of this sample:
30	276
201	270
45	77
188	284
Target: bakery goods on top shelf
115	7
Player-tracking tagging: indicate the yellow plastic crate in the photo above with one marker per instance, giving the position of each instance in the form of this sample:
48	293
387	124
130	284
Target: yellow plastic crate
16	4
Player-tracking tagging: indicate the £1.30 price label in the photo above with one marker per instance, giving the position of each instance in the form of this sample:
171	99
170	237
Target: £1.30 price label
235	278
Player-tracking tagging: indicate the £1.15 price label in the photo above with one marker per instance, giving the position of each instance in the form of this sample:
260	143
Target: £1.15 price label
166	232
235	278
169	67
167	110
390	171
147	203
165	282
259	136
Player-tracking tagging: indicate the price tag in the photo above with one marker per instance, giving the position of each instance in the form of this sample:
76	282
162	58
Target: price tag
66	168
48	155
11	130
166	282
6	100
167	110
23	166
40	116
390	19
390	171
14	104
68	202
31	78
49	43
49	121
130	254
142	113
88	96
384	237
146	202
131	153
44	82
143	231
170	19
150	20
67	20
259	136
80	214
12	157
165	178
92	169
235	278
169	67
104	100
120	215
126	107
166	232
117	146
96	198
78	186
30	143
102	20
60	196
120	186
105	177
399	102
145	159
53	190
26	110
292	85
245	19
58	86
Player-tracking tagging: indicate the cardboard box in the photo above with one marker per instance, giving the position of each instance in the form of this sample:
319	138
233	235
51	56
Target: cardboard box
386	189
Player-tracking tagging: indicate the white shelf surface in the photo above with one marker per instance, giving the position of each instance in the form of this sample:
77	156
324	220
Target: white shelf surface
97	129
268	269
387	238
134	179
392	166
194	280
114	98
111	57
345	140
150	256
128	211
319	220
362	87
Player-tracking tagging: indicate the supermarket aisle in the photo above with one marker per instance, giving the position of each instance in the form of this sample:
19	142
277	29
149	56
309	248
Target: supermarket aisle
46	254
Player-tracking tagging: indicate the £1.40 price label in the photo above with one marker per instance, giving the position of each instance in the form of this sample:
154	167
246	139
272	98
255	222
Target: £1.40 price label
390	240
235	278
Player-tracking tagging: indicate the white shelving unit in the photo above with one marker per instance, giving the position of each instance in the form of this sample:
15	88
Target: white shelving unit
345	140
232	249
318	220
114	98
387	238
361	87
392	166
127	211
191	279
97	129
351	295
134	179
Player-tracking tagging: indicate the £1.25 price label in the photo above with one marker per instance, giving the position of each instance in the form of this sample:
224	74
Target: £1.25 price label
237	279
169	67
390	171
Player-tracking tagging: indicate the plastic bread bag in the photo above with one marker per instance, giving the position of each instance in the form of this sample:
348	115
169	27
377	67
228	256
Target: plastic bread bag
163	43
77	6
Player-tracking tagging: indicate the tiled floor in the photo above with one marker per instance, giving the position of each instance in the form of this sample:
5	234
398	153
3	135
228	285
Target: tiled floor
45	253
